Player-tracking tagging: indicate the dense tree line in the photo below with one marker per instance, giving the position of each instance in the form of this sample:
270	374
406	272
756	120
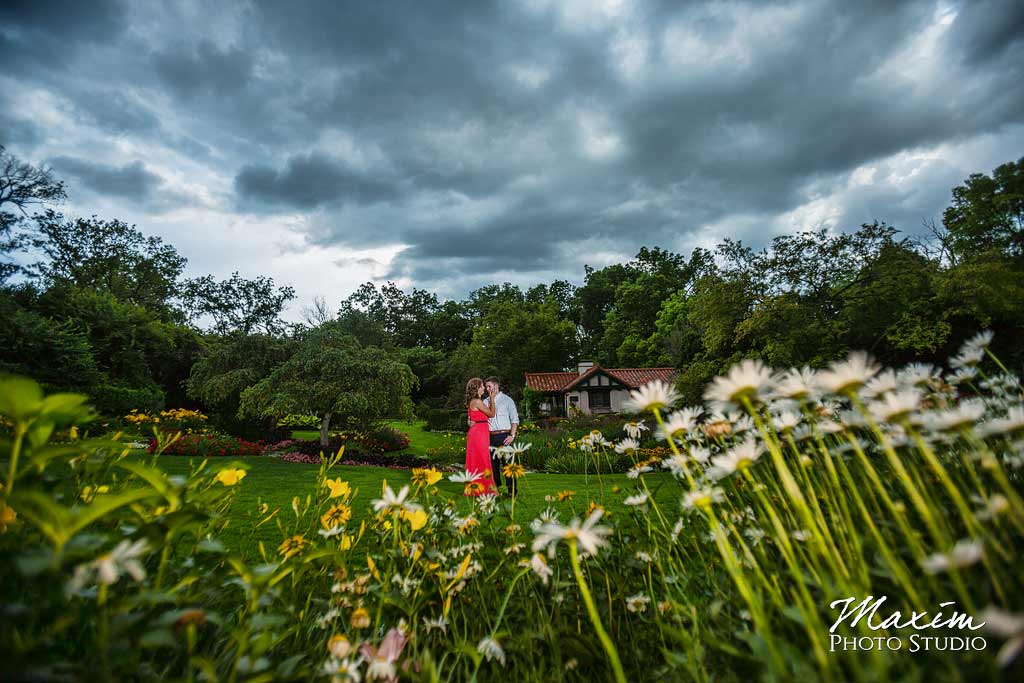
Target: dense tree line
94	305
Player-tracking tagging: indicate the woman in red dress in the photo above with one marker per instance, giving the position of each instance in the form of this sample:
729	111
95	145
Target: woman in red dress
478	440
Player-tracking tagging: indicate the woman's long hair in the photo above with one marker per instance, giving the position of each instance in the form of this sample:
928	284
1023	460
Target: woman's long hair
471	387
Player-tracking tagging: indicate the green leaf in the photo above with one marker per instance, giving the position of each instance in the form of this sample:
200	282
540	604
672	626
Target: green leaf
155	478
210	545
103	505
20	397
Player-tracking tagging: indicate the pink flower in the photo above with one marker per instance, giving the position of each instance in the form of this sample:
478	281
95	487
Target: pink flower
381	661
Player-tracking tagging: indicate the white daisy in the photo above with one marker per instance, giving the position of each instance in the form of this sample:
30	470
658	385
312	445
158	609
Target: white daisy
962	375
637	603
964	414
343	670
982	340
786	421
653	395
107	569
680	422
491	650
918	374
964	553
880	384
588	535
1006	625
849	374
627	446
703	497
488	503
896	406
637	470
390	500
798	384
968	358
634	429
747	379
736	459
638	499
439	624
466	477
540	567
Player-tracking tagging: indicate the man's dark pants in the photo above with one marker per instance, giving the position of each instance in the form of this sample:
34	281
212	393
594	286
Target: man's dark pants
497	462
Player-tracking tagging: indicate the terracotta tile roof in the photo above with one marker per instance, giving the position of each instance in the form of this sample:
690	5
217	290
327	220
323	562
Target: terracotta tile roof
637	377
550	381
631	377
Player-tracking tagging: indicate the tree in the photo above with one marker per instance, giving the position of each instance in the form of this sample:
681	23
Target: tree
22	186
108	256
514	338
987	213
238	304
333	376
230	364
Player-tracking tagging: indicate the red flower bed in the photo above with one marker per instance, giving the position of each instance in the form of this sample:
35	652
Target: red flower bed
211	446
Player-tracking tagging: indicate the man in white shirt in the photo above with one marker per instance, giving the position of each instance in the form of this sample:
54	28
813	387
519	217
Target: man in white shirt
503	427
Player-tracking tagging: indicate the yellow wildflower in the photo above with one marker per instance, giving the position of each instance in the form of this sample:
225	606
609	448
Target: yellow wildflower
231	476
339	646
513	470
89	492
336	516
360	618
290	547
417	519
338	487
425	476
7	516
565	495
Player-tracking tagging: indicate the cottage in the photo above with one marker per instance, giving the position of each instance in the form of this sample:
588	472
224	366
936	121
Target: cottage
591	388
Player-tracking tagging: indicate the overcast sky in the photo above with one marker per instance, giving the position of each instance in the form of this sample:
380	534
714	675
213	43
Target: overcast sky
450	145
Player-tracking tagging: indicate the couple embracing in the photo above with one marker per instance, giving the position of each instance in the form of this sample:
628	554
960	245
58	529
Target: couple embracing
493	421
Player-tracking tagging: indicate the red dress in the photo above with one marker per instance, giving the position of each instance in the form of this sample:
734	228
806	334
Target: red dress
478	453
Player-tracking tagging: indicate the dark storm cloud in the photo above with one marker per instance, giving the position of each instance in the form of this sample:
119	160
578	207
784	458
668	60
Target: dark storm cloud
47	33
988	29
309	181
131	181
514	136
204	69
117	113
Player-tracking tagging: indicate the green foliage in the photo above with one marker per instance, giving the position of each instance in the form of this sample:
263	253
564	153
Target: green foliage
108	256
332	375
446	420
987	214
238	305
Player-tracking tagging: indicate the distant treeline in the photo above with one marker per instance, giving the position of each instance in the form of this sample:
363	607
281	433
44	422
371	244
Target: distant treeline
105	310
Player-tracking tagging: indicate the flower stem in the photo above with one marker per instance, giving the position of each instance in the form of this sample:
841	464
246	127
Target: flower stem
595	619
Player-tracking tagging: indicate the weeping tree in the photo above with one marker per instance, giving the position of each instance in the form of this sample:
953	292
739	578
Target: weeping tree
333	376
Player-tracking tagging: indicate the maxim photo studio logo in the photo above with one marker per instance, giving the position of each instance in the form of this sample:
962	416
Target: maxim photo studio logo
946	629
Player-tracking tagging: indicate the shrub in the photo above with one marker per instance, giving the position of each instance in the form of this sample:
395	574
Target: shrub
113	399
175	419
299	422
393	460
210	445
389	439
446	420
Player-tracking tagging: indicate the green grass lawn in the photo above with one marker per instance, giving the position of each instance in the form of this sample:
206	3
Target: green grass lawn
419	439
276	482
